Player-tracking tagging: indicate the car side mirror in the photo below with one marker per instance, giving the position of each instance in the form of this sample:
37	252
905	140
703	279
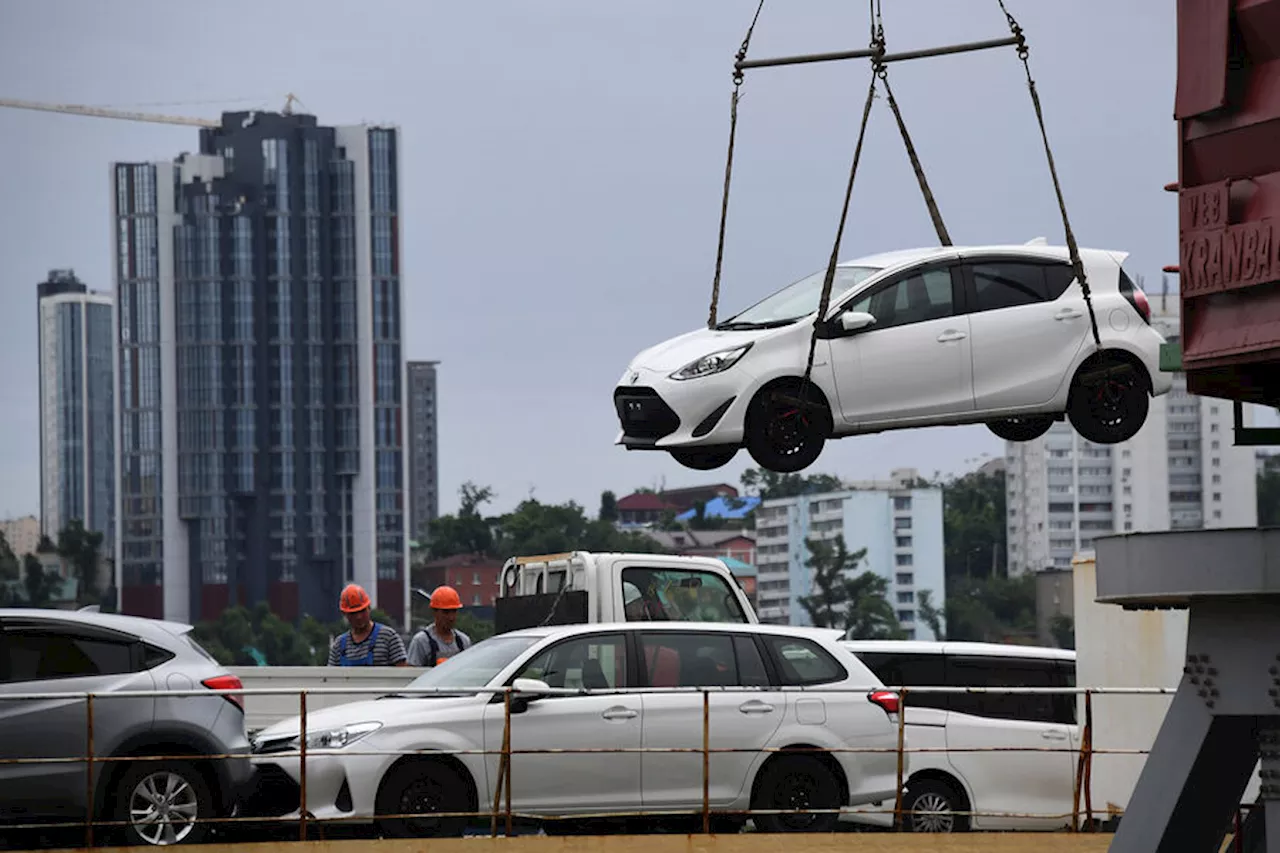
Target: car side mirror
852	321
526	690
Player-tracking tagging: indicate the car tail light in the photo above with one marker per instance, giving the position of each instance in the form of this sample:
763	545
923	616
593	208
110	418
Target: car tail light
1136	298
227	682
886	699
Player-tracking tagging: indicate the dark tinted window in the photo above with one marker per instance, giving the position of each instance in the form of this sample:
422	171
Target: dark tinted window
593	662
910	670
40	656
1007	672
803	662
751	671
153	656
1057	278
914	299
688	660
1008	284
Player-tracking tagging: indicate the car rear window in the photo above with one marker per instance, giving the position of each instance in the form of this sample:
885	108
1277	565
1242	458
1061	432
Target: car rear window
803	662
199	648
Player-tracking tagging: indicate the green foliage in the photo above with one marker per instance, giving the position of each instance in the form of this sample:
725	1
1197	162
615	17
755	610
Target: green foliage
853	602
608	507
930	615
769	484
40	585
1269	499
81	549
467	532
10	568
239	631
974	522
991	609
1063	629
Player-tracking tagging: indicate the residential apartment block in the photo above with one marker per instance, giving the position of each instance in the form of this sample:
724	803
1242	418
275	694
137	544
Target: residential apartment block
1181	471
77	406
261	390
424	462
898	522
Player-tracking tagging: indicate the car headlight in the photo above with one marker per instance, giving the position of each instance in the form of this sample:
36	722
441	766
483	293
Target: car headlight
337	738
716	362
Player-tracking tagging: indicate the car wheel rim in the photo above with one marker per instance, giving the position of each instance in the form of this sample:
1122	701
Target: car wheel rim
932	813
788	429
163	809
797	793
421	798
1109	401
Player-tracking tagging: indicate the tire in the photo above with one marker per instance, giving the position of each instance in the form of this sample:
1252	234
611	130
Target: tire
704	458
187	802
783	436
1021	429
930	805
1110	408
797	781
422	787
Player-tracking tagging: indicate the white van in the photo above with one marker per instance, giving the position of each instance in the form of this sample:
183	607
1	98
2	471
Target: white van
1003	789
580	587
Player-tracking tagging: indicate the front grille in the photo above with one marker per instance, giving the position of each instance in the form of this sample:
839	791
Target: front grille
643	414
271	793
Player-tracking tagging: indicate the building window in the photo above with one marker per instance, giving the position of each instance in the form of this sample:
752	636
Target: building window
475	578
904	559
903	541
907	616
902	503
1217	496
907	597
902	523
905	578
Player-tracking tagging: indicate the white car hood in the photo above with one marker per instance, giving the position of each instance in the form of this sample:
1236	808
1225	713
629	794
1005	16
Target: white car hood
423	709
673	354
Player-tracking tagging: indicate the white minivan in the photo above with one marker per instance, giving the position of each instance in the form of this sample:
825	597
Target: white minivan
1003	790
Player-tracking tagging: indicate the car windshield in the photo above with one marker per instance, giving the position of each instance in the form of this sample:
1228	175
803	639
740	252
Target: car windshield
798	300
476	666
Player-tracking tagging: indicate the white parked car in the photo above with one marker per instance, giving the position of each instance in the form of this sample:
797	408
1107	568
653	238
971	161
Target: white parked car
926	337
422	764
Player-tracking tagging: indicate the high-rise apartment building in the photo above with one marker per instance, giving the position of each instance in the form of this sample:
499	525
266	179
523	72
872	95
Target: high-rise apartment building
261	371
897	521
1181	471
424	470
77	405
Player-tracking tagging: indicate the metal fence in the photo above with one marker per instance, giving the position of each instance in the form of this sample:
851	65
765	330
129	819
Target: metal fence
500	812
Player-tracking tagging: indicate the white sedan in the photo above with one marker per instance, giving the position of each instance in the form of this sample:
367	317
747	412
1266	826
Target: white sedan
999	335
418	754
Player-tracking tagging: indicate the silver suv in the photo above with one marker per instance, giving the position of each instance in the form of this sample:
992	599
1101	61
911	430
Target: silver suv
158	802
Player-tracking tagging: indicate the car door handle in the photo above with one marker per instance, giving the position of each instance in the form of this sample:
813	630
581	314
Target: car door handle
1054	734
1067	314
619	714
755	707
951	335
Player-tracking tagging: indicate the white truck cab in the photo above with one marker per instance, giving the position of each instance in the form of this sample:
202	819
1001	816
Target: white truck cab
582	587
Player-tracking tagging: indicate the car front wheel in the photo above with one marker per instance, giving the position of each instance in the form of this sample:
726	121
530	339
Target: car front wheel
426	789
163	803
796	782
1021	429
704	458
1109	405
785	434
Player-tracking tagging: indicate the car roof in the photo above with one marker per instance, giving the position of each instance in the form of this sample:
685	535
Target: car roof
931	647
886	260
675	625
138	625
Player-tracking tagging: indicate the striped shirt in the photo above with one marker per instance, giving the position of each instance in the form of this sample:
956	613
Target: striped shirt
388	650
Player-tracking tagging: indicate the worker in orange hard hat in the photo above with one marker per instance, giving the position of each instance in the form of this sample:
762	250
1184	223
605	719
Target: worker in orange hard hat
440	640
366	643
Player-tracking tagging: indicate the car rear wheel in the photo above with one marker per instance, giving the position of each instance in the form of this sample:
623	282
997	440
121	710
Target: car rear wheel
1109	403
785	434
1021	429
797	782
422	788
704	458
931	805
162	803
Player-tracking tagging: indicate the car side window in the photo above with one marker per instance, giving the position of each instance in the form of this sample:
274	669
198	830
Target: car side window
1004	672
595	662
688	660
910	670
803	662
41	656
1009	284
915	298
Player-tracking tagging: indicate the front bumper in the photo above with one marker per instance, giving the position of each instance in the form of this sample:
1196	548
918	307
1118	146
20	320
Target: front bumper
657	413
338	786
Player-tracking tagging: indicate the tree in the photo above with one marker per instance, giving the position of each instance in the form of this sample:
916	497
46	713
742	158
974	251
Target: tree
608	507
467	532
10	569
40	585
81	548
974	522
769	484
856	603
930	615
1063	629
991	609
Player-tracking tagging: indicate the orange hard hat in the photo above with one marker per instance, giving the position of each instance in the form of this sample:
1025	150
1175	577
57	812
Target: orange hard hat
445	598
353	599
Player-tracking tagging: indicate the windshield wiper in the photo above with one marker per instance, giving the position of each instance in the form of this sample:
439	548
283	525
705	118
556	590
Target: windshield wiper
731	326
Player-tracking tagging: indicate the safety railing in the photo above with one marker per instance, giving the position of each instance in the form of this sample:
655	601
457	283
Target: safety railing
500	812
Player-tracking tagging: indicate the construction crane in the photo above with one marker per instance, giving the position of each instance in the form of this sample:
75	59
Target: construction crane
127	115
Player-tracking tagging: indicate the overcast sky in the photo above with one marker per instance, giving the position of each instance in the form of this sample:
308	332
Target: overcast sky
562	167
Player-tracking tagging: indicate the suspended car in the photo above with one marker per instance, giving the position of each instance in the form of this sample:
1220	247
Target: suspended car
1001	335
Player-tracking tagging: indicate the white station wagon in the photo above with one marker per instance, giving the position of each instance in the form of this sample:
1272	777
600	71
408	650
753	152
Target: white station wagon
999	335
345	781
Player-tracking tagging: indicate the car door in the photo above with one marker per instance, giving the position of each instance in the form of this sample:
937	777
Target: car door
583	782
1039	779
914	362
1028	321
46	657
739	720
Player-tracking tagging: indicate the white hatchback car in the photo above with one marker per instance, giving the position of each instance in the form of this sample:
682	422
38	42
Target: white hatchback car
411	754
998	335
